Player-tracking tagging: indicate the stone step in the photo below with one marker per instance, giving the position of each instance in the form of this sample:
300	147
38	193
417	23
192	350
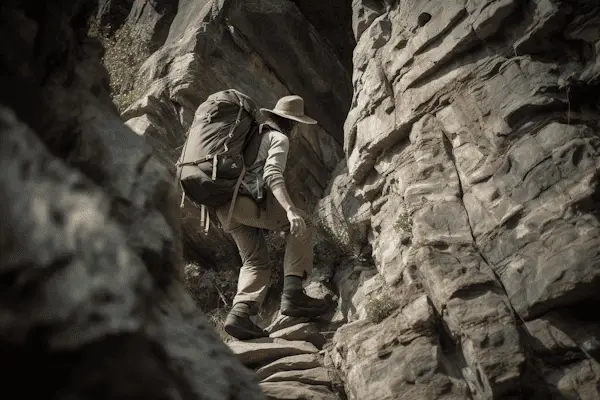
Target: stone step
283	321
307	332
264	350
295	391
299	362
313	376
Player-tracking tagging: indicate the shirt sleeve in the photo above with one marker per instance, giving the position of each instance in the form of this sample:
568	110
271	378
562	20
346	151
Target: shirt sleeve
276	159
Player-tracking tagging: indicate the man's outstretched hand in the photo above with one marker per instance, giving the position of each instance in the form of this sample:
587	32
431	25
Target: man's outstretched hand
297	223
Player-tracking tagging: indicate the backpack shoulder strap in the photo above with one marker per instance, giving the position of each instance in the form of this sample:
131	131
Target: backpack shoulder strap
252	144
254	141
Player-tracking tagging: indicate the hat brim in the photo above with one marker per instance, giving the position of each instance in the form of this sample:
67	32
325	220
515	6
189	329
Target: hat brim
303	119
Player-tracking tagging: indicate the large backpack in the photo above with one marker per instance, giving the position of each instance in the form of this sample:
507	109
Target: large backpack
221	142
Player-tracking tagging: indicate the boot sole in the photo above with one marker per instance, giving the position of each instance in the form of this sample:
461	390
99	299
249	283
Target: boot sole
304	313
243	334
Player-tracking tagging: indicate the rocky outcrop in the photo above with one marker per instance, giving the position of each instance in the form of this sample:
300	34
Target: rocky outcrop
472	160
92	294
217	45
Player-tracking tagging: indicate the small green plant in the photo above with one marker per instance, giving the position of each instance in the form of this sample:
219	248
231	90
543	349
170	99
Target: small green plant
404	223
125	51
380	307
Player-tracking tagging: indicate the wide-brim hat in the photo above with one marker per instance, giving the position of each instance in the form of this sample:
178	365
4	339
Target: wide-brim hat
291	107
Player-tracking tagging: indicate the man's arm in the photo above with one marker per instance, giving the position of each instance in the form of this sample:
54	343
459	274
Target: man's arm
273	175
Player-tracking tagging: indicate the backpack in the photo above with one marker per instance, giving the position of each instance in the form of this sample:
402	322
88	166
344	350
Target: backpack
223	137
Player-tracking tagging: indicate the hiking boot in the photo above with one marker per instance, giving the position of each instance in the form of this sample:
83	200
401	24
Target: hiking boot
295	303
239	325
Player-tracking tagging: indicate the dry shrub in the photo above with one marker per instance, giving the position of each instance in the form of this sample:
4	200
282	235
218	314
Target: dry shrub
212	289
380	307
125	51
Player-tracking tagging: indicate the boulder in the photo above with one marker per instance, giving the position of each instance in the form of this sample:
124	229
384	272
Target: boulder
283	322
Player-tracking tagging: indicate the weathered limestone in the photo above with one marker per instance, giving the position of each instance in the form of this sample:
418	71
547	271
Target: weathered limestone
308	332
313	376
153	18
472	158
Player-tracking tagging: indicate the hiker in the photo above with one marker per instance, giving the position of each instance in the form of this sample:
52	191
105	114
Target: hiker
263	203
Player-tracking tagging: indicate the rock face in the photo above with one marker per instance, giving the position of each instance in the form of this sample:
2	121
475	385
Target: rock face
215	45
92	296
333	21
472	159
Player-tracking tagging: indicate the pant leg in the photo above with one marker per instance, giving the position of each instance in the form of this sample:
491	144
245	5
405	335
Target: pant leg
246	227
255	273
247	221
298	259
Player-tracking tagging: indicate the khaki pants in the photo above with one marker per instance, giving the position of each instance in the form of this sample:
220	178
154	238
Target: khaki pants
247	223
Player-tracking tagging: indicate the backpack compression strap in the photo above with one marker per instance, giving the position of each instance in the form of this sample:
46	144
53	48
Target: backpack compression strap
241	177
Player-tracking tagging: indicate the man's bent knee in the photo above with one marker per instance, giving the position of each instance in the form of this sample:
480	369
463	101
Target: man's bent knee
257	265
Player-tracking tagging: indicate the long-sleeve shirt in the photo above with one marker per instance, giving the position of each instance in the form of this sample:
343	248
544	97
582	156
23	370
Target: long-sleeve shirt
270	162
